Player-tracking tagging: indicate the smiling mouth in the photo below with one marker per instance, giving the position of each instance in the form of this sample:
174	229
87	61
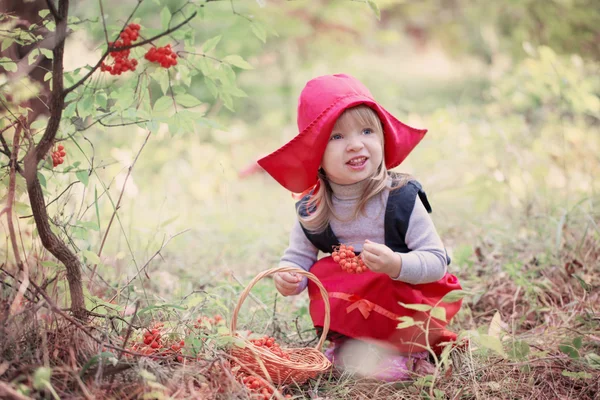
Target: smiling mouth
357	161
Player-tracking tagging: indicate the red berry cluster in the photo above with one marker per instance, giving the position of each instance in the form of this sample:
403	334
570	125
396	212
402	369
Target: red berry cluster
162	55
270	343
259	386
348	260
58	156
154	342
204	321
122	61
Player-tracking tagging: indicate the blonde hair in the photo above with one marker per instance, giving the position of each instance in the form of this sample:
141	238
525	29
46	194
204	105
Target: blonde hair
320	204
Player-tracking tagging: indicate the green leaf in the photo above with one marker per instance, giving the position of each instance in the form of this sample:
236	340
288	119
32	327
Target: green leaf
94	360
375	9
41	376
418	307
43	13
577	342
439	313
33	54
238	61
96	206
492	343
47	53
593	360
89	225
569	350
454	295
165	18
577	375
9	66
259	31
519	350
187	100
407	322
38	124
50	264
227	100
47	76
42	179
210	44
6	43
83	176
91	257
163	104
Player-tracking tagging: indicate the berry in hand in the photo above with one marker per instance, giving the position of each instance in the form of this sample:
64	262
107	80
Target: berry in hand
348	260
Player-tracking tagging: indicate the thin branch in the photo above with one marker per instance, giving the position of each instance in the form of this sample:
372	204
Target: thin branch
124	123
131	46
199	54
53	11
147	263
57	197
77	324
118	205
8	154
11	229
104	21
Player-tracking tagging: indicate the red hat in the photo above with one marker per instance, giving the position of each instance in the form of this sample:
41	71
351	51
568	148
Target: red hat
323	100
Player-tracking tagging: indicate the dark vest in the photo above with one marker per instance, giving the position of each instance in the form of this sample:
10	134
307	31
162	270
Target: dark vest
399	207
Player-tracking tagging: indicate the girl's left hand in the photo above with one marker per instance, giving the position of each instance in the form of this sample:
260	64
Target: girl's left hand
380	258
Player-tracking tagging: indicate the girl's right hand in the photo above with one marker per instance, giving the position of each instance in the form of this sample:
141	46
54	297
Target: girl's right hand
287	282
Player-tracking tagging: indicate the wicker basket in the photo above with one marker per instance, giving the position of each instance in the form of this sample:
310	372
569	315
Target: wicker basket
304	363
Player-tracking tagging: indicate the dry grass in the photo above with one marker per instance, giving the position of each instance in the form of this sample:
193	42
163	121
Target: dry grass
551	310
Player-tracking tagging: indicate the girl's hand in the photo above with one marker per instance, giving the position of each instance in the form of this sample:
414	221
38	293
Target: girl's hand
380	258
287	282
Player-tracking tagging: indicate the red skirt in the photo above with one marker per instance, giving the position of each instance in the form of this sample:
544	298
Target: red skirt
366	306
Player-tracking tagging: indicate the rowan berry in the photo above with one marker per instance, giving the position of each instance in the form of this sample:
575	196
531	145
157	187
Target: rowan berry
348	260
122	62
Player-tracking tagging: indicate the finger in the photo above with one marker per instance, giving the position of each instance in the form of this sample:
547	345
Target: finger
368	256
372	247
368	259
290	277
283	283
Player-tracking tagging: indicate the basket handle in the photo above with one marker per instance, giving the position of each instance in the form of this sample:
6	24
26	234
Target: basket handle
299	271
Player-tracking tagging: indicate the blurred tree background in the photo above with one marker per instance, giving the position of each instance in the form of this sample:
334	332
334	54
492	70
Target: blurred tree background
508	90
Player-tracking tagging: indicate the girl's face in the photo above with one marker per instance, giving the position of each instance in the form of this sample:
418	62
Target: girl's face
355	149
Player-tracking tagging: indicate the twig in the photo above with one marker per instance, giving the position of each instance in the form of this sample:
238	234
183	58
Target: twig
117	207
53	10
57	197
11	229
147	263
10	393
103	21
77	324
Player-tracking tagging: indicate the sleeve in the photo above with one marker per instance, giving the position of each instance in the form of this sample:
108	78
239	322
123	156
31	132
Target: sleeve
301	253
426	262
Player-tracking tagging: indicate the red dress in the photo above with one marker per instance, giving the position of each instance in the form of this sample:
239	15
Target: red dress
366	306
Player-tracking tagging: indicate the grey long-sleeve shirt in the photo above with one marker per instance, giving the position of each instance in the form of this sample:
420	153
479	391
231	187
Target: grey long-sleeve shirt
425	263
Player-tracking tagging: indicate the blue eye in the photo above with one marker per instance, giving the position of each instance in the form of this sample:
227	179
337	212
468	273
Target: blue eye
367	131
335	137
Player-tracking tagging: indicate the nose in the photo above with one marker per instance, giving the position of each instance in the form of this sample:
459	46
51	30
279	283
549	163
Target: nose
355	143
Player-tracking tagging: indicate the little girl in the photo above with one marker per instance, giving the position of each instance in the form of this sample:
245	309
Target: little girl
339	162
